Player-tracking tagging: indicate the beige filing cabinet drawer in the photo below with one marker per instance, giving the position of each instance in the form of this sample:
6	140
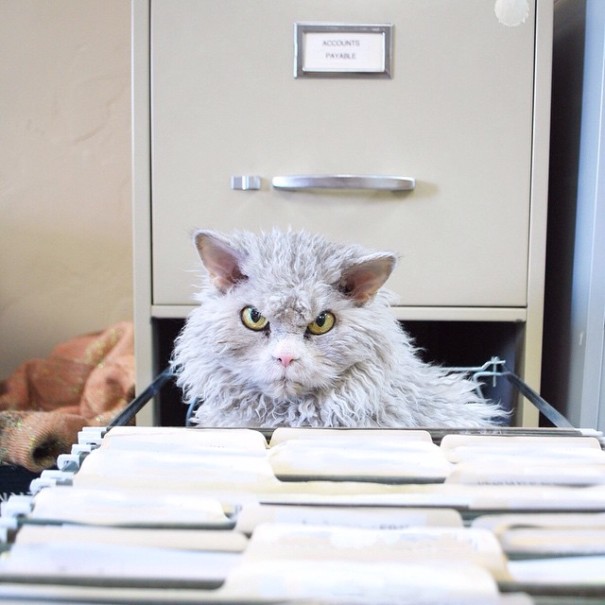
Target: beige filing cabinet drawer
455	115
457	101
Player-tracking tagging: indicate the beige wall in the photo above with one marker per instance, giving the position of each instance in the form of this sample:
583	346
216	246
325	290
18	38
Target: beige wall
65	215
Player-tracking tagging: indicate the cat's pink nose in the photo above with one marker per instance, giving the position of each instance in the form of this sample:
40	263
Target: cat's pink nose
286	359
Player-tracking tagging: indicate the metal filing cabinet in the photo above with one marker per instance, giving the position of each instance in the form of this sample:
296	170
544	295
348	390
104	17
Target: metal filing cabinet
419	126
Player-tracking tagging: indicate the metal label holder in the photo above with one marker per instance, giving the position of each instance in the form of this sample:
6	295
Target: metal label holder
342	51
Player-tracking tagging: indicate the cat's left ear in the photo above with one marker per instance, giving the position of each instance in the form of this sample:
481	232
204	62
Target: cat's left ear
362	280
221	260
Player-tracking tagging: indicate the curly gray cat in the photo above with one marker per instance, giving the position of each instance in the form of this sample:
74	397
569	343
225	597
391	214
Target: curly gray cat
295	330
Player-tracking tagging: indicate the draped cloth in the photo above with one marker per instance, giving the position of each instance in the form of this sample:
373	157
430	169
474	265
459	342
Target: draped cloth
85	381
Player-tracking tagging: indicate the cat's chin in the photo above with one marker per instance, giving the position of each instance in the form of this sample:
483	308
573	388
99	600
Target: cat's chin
284	389
280	383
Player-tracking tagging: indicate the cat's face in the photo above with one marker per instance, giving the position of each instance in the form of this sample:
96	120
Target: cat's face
288	343
288	310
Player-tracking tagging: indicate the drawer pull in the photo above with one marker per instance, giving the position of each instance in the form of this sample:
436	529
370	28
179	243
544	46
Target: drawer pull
343	181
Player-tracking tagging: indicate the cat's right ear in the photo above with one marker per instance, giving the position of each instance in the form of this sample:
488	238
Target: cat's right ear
221	260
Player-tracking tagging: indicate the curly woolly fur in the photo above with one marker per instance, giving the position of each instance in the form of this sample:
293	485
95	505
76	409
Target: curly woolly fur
364	372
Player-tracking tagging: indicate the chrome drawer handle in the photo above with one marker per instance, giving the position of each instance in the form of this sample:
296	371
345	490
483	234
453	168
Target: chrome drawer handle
343	181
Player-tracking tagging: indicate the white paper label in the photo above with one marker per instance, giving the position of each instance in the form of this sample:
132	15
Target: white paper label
338	52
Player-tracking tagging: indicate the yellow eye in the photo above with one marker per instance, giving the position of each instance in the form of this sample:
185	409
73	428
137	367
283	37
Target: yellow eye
323	323
253	320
